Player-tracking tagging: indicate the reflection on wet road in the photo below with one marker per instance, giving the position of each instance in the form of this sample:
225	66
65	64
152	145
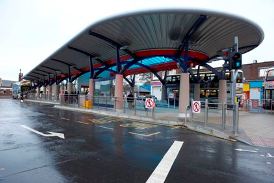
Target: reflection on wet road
107	149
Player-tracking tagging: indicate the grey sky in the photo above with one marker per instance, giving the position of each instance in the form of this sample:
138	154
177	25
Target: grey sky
31	30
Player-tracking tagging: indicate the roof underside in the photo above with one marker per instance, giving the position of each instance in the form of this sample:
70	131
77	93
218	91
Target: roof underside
145	35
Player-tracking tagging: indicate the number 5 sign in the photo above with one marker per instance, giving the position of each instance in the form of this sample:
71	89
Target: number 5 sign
196	106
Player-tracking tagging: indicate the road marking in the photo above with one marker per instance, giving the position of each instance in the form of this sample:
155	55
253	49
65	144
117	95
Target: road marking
95	121
160	173
144	135
269	155
51	134
65	119
50	115
269	163
175	127
244	150
82	122
106	127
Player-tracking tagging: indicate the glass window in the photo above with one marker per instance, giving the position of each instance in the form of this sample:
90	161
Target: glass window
270	75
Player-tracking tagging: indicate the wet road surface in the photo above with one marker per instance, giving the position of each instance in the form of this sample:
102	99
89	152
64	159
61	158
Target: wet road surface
106	149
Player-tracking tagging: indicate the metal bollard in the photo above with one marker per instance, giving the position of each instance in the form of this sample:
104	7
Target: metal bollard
206	112
223	115
153	113
135	106
124	104
235	118
174	103
191	113
186	115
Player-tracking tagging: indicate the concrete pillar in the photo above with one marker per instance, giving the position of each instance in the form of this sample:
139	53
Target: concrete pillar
56	91
91	87
119	92
38	92
222	91
70	90
197	91
184	94
44	92
62	89
50	92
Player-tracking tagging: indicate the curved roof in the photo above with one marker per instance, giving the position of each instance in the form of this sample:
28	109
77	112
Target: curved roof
143	35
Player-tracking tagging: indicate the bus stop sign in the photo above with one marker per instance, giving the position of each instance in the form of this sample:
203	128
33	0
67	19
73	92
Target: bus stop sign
196	106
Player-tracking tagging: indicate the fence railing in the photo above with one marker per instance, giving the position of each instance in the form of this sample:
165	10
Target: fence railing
256	105
42	97
221	116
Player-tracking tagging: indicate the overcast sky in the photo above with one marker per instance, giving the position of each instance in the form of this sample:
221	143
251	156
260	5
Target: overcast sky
31	30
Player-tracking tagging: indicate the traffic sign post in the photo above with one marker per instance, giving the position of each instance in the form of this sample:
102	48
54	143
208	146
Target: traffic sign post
196	106
149	103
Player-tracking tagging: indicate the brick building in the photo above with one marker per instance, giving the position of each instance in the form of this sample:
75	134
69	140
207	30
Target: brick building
5	87
254	76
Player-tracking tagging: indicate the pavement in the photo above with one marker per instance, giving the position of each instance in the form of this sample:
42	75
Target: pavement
258	128
254	128
100	148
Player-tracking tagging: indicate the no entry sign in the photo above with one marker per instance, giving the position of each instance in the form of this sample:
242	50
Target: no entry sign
196	106
149	103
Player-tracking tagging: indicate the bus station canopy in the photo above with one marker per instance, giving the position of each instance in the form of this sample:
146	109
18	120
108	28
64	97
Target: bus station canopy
147	41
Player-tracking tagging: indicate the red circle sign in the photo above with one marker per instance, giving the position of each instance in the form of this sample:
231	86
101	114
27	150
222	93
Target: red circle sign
196	106
149	103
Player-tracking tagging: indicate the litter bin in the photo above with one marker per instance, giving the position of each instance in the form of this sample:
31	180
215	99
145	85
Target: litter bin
88	104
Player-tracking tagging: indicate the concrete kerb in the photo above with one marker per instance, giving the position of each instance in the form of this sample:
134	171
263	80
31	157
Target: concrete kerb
40	101
196	128
120	115
240	139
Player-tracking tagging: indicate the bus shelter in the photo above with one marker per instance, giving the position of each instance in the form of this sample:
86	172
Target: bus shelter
148	41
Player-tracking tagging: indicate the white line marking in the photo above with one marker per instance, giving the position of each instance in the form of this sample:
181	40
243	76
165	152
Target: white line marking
82	122
269	155
144	135
106	127
244	150
51	134
160	173
65	119
175	127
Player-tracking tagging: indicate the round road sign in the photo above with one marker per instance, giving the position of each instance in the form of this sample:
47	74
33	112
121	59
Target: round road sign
149	103
196	106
